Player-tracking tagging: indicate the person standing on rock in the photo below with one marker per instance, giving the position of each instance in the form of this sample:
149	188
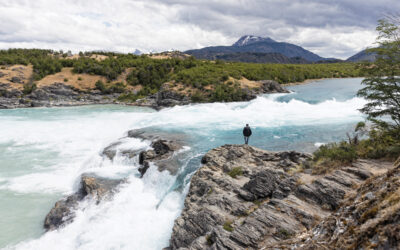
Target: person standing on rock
246	133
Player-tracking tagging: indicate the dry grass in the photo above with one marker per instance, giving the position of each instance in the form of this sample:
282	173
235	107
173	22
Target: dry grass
179	88
87	82
93	56
21	71
169	55
246	83
83	81
99	57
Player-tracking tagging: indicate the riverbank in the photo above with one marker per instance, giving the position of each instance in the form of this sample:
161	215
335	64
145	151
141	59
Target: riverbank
246	198
314	80
61	95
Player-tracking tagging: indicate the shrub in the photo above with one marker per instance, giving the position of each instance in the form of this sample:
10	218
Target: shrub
100	86
29	88
117	88
209	240
236	171
369	214
342	152
332	155
129	97
284	234
65	79
228	226
79	78
197	97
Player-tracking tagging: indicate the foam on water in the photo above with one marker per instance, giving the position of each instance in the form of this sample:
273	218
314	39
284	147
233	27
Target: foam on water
141	214
131	220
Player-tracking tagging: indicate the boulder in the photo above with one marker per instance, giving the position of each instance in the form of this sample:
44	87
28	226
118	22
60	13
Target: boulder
16	79
162	150
270	86
92	187
163	147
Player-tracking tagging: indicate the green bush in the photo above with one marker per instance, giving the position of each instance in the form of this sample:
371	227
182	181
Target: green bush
197	97
29	88
228	226
236	171
100	86
119	87
342	152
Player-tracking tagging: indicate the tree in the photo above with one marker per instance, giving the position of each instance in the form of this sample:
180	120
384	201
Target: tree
382	87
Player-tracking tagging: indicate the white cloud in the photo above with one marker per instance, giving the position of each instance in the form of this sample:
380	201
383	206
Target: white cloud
99	25
329	29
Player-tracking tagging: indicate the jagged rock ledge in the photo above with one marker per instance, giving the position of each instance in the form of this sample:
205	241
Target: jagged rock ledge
163	146
60	95
91	186
247	198
368	219
169	98
55	95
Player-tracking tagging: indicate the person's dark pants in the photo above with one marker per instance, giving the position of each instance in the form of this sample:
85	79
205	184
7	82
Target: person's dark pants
246	139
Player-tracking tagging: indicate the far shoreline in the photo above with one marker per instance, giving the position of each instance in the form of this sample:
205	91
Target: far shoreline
119	103
307	81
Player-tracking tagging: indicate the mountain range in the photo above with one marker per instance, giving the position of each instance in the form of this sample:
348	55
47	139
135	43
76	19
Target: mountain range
257	49
362	56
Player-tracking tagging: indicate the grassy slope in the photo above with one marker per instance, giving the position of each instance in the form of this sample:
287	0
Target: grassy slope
144	75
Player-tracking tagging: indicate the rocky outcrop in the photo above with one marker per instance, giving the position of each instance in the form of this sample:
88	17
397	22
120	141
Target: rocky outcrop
270	86
247	198
162	151
368	219
57	94
164	98
92	187
60	94
163	146
169	98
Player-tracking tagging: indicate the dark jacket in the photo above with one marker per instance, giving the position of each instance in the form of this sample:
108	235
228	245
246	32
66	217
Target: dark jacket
246	131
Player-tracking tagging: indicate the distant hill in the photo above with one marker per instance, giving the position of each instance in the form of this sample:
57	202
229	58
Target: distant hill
253	57
362	56
255	44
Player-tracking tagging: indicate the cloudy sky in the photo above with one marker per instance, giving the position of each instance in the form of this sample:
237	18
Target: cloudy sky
330	28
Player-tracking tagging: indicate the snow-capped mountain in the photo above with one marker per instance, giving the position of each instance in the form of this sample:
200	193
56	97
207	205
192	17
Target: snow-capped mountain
258	49
249	39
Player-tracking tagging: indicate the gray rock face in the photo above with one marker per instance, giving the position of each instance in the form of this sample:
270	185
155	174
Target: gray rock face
168	98
367	219
268	183
248	198
16	79
161	152
164	98
57	94
163	144
270	86
60	94
92	187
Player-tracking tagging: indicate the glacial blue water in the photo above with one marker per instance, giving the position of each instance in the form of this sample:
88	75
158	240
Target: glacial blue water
43	151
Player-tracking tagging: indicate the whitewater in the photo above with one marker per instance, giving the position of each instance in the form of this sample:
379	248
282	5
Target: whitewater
44	151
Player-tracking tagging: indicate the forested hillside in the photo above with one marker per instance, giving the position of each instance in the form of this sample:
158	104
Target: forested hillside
190	76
